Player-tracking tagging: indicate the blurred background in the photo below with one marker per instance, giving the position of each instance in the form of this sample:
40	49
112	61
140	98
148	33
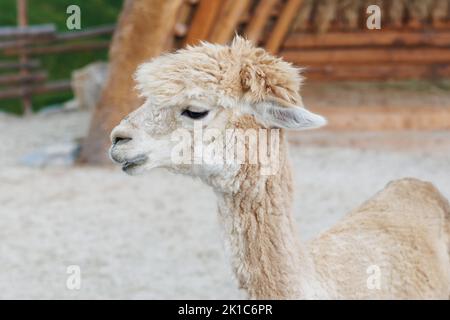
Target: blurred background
66	80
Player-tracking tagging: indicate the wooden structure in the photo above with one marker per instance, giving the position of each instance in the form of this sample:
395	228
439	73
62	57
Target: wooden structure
21	75
24	77
328	37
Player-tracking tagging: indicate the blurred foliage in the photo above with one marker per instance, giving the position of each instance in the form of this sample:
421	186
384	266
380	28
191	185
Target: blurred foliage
59	66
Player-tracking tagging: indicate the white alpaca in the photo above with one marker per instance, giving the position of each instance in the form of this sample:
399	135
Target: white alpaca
396	245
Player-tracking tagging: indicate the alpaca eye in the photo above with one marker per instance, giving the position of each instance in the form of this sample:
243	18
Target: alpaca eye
194	115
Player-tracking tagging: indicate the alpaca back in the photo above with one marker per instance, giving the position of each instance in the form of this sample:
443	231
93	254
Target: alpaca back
395	245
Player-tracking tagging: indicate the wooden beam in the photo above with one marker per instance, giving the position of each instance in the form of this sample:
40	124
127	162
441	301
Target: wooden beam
368	38
247	16
228	20
377	72
441	26
284	21
203	21
8	79
385	118
11	65
257	23
60	48
86	33
37	31
12	44
18	92
65	36
368	56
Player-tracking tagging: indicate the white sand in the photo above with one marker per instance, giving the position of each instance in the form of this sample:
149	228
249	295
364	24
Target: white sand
157	236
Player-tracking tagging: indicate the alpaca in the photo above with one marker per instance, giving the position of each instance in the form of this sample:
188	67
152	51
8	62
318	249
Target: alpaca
396	245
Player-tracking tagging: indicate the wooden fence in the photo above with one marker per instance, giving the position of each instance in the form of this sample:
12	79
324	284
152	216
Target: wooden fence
21	73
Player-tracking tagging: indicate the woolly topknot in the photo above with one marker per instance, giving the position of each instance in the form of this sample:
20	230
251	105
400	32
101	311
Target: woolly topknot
236	72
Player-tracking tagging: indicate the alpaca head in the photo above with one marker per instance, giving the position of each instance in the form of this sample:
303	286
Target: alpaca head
212	89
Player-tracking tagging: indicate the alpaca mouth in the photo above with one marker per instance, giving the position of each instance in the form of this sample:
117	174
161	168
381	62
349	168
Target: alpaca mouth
134	162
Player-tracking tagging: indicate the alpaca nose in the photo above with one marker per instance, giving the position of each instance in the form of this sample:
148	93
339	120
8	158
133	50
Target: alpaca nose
120	140
119	137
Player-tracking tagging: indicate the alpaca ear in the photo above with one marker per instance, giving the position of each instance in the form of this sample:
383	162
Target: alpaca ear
288	117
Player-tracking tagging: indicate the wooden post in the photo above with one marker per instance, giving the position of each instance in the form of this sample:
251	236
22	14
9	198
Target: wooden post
203	21
42	31
390	38
367	55
228	20
12	65
58	48
282	25
256	25
54	86
22	21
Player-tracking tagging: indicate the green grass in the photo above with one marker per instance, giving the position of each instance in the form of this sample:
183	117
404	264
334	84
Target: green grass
59	66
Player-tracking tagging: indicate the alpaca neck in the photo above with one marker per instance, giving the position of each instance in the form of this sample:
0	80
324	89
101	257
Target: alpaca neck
266	254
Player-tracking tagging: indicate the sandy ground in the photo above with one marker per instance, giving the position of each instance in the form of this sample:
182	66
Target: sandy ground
157	236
